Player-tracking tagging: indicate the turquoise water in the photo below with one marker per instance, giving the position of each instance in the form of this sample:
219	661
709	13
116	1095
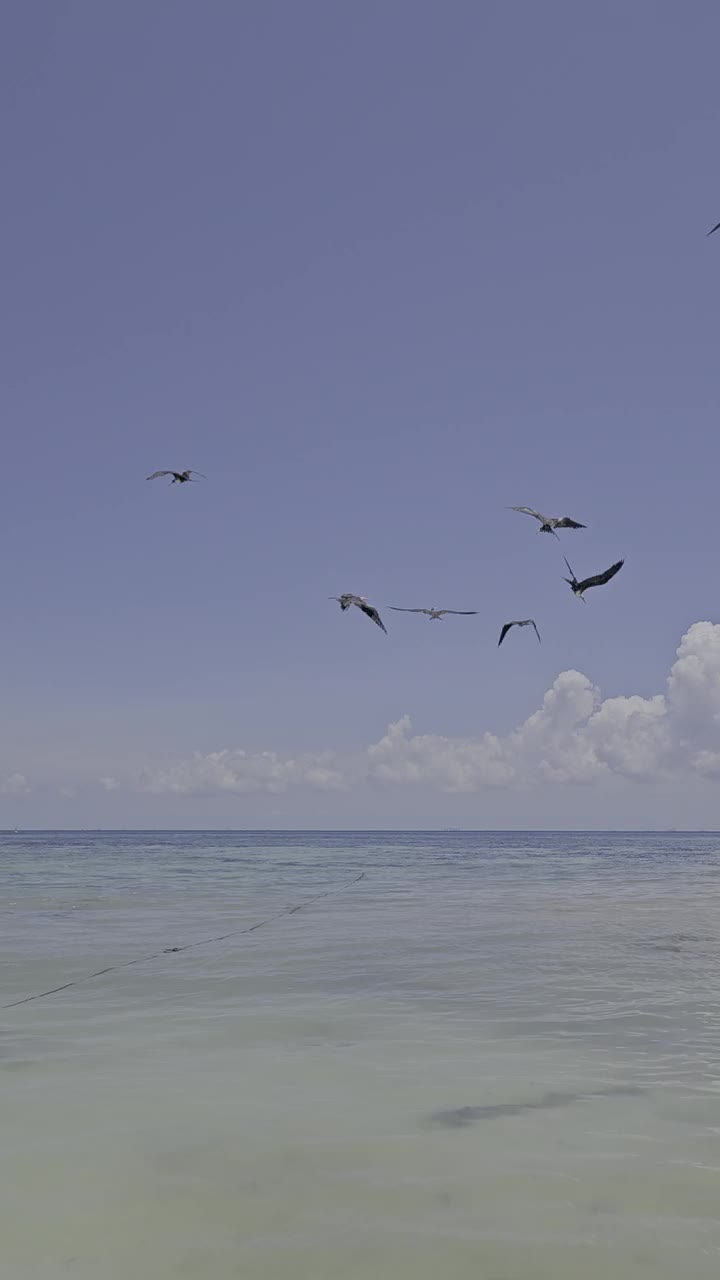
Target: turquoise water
494	1056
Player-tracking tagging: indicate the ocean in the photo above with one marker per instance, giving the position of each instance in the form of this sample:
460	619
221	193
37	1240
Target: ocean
375	1056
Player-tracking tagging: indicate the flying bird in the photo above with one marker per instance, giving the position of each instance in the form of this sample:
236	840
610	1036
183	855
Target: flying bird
716	228
525	622
178	477
599	580
548	524
348	598
434	614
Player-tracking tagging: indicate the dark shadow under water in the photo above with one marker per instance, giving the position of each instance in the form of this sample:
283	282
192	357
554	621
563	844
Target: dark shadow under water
459	1117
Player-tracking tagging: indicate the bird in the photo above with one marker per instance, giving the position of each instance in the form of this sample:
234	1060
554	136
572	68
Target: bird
524	622
715	228
369	610
548	524
178	477
435	614
599	580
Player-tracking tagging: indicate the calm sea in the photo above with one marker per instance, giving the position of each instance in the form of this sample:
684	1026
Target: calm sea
496	1056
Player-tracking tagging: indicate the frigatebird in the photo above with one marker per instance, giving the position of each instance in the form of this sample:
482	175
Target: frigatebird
599	580
435	614
369	610
525	622
178	477
548	524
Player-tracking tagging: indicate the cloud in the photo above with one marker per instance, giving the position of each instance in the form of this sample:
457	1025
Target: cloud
243	773
14	784
707	763
450	764
574	738
694	683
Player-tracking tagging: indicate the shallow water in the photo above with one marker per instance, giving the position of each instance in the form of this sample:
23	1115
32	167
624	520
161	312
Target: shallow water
494	1056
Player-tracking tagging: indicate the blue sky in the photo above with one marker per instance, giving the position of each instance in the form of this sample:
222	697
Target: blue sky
378	271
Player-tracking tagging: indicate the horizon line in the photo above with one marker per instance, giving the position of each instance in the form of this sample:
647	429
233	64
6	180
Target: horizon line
9	831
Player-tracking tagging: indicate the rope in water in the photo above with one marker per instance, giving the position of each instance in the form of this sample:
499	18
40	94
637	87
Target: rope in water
189	946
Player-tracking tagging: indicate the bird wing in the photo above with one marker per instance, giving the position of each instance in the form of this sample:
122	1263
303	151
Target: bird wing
572	575
462	613
537	633
717	228
156	474
567	523
504	632
600	579
399	609
373	614
198	473
528	511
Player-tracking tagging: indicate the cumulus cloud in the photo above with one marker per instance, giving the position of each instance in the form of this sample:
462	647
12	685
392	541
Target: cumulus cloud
694	683
451	764
243	773
14	784
575	737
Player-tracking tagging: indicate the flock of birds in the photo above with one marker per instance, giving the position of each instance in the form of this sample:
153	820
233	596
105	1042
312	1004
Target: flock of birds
548	524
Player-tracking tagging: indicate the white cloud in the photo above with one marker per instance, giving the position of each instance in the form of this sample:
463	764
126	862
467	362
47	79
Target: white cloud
109	784
631	736
550	744
451	764
707	763
14	784
243	773
694	683
575	737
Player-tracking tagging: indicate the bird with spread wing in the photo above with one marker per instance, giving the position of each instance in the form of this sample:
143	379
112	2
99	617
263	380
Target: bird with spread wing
548	524
178	477
435	614
579	588
369	610
524	622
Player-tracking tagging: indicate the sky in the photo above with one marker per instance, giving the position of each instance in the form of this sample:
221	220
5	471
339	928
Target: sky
379	271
